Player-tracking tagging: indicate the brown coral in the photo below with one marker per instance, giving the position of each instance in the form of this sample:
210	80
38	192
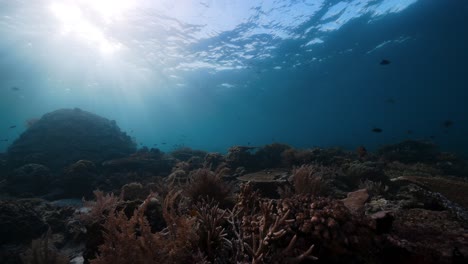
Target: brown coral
312	179
205	184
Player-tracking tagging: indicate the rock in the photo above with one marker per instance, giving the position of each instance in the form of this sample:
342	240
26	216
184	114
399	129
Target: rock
356	200
65	136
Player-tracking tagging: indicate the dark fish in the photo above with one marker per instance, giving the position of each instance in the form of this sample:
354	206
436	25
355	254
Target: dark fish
431	137
448	123
248	143
409	132
14	88
384	62
163	143
377	130
13	126
4	140
390	101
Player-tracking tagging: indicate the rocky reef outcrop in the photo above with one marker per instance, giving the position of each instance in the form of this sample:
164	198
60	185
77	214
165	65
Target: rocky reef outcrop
65	136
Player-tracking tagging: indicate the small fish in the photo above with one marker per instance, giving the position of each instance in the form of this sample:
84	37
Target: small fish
448	123
248	143
385	62
377	130
409	132
13	126
163	143
390	101
431	137
15	88
4	140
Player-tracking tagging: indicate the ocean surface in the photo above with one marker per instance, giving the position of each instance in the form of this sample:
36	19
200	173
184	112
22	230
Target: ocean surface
212	74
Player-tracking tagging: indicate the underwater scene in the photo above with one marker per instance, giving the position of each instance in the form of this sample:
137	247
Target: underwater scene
241	131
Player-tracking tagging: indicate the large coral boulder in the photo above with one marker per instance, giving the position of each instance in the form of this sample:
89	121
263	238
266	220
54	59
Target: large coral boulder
65	136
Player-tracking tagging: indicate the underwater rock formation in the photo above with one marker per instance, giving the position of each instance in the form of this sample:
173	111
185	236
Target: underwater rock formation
266	182
19	221
28	179
410	151
152	160
65	136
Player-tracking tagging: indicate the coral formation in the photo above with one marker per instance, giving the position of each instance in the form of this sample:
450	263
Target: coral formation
312	179
191	207
29	179
410	151
65	136
205	184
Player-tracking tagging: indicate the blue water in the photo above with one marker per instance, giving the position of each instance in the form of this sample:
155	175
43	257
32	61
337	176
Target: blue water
211	74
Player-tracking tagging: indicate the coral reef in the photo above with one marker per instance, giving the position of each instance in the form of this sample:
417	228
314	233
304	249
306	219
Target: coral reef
20	221
78	179
271	204
153	161
410	151
185	154
454	190
355	172
424	236
270	156
42	252
205	184
65	136
312	179
29	179
266	181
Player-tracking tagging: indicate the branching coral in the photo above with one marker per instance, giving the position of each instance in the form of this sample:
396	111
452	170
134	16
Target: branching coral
104	205
131	240
205	184
43	252
312	179
330	225
261	232
212	233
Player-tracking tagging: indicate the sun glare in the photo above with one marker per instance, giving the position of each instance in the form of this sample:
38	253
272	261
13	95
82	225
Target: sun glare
73	20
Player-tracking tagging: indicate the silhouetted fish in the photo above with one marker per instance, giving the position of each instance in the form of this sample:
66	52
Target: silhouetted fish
390	101
163	143
15	88
13	126
409	132
448	123
384	62
4	140
431	137
377	130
